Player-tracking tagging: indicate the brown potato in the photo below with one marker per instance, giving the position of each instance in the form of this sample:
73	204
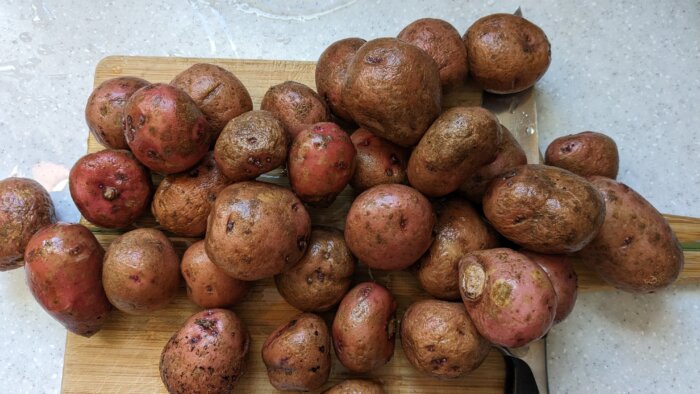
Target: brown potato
250	145
356	386
296	105
544	209
455	146
250	217
378	161
206	355
393	89
586	153
25	207
507	53
141	271
331	70
561	272
322	277
298	354
460	229
635	250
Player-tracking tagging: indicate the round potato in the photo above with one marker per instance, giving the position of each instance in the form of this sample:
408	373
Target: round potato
561	272
356	386
377	162
331	70
296	105
586	153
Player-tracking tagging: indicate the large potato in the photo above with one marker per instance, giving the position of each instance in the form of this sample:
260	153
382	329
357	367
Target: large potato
561	272
356	386
586	153
378	161
296	105
331	70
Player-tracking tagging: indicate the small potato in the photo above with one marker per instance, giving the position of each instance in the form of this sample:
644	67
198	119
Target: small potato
440	340
586	153
298	354
460	229
25	207
364	328
544	209
250	145
389	227
378	161
105	109
509	298
206	355
561	272
331	70
64	273
141	271
356	386
208	286
322	277
635	250
455	146
321	163
110	188
296	105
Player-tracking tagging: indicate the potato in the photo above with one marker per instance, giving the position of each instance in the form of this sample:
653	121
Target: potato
165	129
444	44
507	53
356	386
250	145
321	163
636	249
25	207
296	105
389	227
322	277
63	263
544	209
206	355
457	144
110	188
105	109
364	328
182	202
561	272
216	91
392	89
440	340
378	161
256	230
586	153
509	298
141	271
208	286
459	230
298	354
331	70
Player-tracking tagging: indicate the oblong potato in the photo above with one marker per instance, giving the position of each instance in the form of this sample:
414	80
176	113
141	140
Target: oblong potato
296	105
561	272
586	153
378	161
331	68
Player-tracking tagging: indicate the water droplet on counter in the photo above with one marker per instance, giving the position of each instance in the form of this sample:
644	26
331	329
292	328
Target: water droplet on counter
41	15
25	37
116	70
530	130
44	50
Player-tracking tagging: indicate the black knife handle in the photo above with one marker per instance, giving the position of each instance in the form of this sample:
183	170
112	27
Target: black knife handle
519	377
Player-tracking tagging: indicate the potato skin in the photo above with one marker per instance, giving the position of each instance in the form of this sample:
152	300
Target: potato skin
25	207
298	354
206	355
561	272
586	153
635	250
296	105
544	209
509	298
507	53
141	271
389	227
165	129
105	108
356	386
64	273
110	188
331	70
378	161
249	217
322	277
364	328
393	89
461	140
460	229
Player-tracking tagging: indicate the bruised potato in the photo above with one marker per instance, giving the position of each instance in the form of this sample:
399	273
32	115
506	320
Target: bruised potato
586	153
331	70
378	161
296	105
356	386
561	272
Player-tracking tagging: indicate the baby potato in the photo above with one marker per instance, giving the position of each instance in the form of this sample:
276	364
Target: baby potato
378	161
586	153
561	272
331	70
356	386
296	105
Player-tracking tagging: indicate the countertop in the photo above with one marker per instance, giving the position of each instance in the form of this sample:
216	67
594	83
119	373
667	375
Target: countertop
627	68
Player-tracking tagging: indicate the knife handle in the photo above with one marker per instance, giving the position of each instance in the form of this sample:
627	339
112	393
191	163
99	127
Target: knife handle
519	377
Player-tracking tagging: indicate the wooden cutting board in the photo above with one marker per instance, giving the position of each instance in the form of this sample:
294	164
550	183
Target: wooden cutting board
124	355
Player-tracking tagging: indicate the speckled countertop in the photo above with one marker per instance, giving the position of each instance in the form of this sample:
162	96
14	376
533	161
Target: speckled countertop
628	68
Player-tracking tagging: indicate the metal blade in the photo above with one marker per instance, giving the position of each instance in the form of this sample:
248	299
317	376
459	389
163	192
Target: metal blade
534	355
518	112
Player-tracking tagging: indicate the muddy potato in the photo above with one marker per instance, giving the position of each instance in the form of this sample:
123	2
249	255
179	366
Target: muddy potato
457	144
298	354
561	272
206	355
296	105
378	161
141	271
25	207
364	328
392	89
544	209
356	386
331	70
322	277
586	153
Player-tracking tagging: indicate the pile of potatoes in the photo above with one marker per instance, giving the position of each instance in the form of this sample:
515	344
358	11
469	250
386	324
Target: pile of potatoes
444	192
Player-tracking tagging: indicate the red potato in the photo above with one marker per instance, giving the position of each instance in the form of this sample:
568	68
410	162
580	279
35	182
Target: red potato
64	273
296	105
378	161
356	386
331	69
587	153
561	272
